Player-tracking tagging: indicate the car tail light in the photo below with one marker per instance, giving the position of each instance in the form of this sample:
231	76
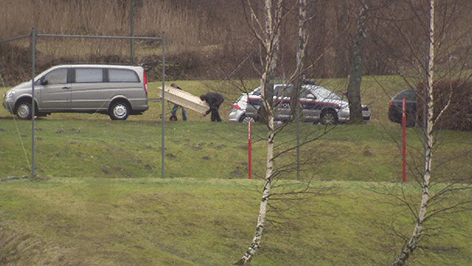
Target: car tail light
145	82
390	104
235	106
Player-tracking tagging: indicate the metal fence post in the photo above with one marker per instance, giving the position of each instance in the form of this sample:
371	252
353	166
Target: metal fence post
131	26
33	107
163	105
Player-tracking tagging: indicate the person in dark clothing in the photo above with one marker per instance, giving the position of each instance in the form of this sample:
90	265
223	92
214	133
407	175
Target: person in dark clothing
214	100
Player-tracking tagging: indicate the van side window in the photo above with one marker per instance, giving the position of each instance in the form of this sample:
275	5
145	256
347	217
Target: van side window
122	75
58	76
88	75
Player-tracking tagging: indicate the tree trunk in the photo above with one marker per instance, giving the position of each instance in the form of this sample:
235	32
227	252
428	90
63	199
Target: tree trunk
265	196
414	240
301	46
271	45
355	79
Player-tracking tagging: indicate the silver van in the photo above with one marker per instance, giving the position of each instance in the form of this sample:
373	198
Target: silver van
116	90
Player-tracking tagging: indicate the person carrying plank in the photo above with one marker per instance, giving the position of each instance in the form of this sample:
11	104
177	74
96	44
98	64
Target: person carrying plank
175	108
214	100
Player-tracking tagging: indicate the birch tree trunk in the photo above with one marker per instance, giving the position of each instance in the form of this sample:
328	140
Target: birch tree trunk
295	106
270	43
415	238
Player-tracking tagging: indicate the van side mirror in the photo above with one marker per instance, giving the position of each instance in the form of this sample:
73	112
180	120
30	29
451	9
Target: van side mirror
44	82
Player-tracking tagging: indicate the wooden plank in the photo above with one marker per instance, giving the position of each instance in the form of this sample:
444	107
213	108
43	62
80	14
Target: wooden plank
184	99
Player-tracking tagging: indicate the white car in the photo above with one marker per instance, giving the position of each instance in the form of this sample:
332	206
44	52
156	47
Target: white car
320	105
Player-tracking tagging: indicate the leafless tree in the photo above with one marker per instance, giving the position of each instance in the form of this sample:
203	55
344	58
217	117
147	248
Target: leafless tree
270	43
423	212
355	79
413	242
269	40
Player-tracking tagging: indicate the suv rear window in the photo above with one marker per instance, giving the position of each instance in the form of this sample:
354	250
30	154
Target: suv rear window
122	75
408	94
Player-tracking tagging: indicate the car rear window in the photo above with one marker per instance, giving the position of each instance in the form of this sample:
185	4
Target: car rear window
122	75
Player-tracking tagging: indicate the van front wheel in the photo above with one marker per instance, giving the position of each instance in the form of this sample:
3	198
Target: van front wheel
24	111
119	111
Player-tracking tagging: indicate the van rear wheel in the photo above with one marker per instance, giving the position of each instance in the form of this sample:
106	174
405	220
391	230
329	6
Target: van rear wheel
119	111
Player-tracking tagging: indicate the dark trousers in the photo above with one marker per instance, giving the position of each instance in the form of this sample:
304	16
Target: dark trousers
215	116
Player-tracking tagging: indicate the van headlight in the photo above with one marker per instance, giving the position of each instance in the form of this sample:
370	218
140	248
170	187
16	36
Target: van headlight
9	94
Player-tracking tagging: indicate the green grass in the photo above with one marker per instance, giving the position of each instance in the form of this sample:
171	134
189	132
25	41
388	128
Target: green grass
83	221
105	148
100	200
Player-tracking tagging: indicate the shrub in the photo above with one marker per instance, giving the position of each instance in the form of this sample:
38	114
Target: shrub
456	93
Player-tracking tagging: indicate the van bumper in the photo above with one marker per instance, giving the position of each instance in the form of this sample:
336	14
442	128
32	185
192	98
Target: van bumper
9	105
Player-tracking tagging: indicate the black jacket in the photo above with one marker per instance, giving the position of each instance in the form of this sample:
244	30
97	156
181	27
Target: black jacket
213	99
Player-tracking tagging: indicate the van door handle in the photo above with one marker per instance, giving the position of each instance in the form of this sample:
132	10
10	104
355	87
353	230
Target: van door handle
65	88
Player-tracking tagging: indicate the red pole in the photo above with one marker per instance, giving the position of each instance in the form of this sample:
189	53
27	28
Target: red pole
249	125
404	138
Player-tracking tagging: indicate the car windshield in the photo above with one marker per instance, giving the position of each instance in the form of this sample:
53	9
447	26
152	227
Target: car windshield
324	93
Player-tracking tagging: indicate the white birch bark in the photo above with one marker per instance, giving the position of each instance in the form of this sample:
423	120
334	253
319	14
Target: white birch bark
415	238
301	45
271	45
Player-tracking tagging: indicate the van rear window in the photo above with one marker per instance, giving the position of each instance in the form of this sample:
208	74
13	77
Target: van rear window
122	75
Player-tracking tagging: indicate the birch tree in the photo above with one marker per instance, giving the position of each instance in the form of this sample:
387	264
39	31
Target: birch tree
301	46
424	213
413	241
271	45
269	40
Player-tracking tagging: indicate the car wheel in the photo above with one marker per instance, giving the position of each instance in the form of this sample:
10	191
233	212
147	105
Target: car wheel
23	111
119	111
246	119
329	117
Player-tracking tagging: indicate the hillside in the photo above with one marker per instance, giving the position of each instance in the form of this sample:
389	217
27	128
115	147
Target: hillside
214	40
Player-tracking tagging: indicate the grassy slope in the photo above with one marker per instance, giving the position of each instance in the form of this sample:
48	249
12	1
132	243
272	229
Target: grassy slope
137	219
203	222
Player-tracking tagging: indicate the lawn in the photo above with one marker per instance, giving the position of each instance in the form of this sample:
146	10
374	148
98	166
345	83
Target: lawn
185	221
